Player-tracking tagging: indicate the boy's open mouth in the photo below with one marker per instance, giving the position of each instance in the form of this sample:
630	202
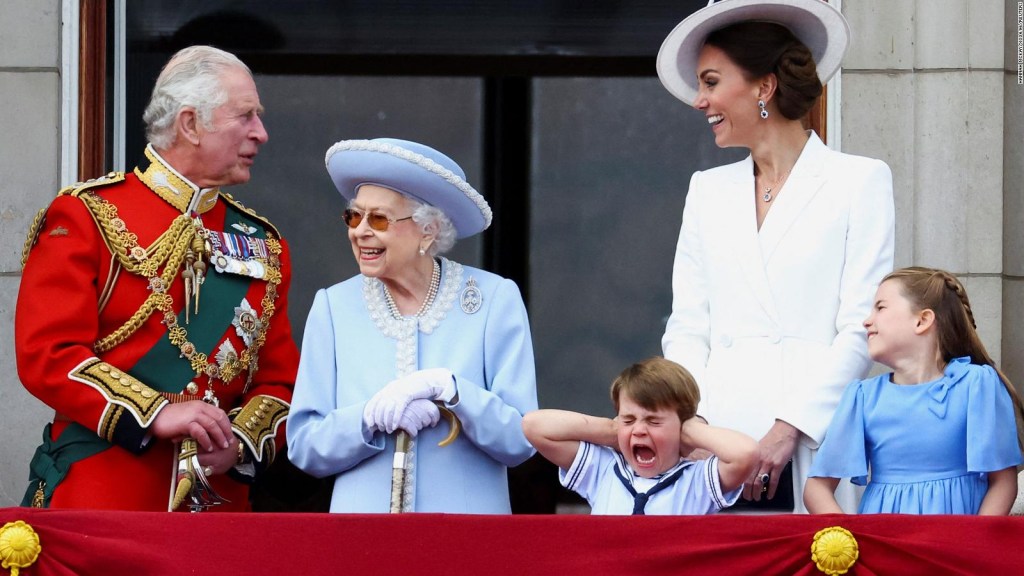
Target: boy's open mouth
643	455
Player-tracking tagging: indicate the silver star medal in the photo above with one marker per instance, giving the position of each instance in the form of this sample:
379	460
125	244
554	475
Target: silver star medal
246	322
226	353
471	299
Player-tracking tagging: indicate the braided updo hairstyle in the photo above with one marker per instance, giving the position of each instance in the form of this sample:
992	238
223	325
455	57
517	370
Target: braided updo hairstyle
942	292
762	48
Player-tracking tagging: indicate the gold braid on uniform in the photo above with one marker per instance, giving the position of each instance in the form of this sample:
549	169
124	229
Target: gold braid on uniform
73	190
256	425
120	389
170	250
33	235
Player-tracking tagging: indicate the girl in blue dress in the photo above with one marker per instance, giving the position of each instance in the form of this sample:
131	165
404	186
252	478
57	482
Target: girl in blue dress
941	433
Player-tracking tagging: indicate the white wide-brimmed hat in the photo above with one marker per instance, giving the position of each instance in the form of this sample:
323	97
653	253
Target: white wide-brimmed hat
817	24
413	169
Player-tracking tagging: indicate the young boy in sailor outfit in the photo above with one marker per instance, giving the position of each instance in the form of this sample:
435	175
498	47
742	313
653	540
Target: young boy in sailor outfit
633	464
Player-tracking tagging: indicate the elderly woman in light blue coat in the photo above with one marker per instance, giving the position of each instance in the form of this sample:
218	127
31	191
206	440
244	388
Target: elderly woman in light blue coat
412	335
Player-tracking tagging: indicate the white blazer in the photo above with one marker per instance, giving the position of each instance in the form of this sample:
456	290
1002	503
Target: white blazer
769	322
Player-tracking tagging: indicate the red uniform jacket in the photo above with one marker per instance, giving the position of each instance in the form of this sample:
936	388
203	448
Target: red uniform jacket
101	335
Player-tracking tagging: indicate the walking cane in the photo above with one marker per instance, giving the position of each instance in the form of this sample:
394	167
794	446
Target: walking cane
400	465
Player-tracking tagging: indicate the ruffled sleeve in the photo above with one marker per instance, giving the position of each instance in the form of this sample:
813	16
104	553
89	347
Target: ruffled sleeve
991	427
844	453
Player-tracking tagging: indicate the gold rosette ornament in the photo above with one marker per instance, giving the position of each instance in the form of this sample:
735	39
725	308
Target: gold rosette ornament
19	546
834	550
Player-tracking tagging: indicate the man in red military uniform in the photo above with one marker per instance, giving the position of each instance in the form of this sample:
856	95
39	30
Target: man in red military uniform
152	313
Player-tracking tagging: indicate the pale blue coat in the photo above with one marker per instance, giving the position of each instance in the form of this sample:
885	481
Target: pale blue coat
352	347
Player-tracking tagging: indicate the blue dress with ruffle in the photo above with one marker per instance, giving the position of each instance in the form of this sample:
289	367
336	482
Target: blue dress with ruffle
928	447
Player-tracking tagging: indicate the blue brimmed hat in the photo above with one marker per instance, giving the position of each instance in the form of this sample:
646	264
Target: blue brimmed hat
817	24
413	169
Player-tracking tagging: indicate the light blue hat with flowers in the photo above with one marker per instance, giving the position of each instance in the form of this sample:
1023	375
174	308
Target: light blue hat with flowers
412	169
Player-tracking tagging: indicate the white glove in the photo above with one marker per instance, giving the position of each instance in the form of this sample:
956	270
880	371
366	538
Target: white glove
368	420
384	411
419	414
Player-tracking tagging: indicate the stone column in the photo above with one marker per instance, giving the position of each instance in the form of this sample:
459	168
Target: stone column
922	89
1013	199
30	175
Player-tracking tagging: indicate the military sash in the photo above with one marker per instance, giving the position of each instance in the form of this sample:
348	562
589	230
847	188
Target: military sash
162	367
53	459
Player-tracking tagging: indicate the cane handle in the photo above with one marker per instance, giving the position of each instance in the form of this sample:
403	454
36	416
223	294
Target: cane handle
454	426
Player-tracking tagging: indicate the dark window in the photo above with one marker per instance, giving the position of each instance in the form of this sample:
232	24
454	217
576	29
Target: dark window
554	110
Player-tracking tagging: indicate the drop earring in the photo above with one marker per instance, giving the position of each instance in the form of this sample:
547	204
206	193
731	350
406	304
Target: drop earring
423	252
764	113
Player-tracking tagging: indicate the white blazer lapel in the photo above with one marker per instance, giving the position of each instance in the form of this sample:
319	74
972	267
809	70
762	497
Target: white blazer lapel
802	185
740	223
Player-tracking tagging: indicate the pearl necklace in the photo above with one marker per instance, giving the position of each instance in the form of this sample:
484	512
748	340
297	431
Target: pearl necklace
435	283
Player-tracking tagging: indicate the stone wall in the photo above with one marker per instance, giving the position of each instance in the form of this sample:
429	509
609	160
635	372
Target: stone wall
924	89
30	167
1013	199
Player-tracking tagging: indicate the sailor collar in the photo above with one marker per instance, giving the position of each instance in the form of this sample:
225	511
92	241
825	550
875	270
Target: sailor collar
172	187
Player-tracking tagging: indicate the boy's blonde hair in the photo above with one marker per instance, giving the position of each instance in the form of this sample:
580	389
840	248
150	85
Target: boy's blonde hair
658	383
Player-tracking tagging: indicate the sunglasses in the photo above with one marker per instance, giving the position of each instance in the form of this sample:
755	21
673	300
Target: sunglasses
379	222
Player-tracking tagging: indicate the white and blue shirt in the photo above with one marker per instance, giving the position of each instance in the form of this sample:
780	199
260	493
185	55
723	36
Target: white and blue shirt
604	478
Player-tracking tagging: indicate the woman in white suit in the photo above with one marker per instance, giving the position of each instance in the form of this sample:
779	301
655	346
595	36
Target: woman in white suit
779	254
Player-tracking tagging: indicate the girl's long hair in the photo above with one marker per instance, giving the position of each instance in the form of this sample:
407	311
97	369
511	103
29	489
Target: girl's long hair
942	292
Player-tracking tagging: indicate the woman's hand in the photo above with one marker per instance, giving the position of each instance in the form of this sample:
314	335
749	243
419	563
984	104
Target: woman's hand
385	409
776	447
419	414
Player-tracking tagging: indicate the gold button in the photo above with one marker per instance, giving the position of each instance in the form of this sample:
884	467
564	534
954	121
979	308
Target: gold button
136	388
115	374
104	368
124	381
148	394
192	388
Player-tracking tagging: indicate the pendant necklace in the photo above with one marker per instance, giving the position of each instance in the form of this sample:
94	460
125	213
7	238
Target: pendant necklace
767	197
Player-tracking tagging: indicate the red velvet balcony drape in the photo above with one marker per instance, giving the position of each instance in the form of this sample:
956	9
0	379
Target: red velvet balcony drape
85	543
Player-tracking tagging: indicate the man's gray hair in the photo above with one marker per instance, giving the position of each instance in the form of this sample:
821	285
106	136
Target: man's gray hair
190	79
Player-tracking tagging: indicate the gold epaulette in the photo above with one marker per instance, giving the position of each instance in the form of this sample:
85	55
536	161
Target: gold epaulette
33	235
72	190
79	187
252	213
